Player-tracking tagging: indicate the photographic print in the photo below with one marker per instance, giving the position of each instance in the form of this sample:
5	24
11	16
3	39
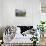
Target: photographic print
20	13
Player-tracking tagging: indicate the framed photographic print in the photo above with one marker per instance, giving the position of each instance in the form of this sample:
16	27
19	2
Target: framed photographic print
20	13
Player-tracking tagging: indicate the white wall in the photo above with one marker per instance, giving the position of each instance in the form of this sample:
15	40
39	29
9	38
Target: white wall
0	12
32	8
